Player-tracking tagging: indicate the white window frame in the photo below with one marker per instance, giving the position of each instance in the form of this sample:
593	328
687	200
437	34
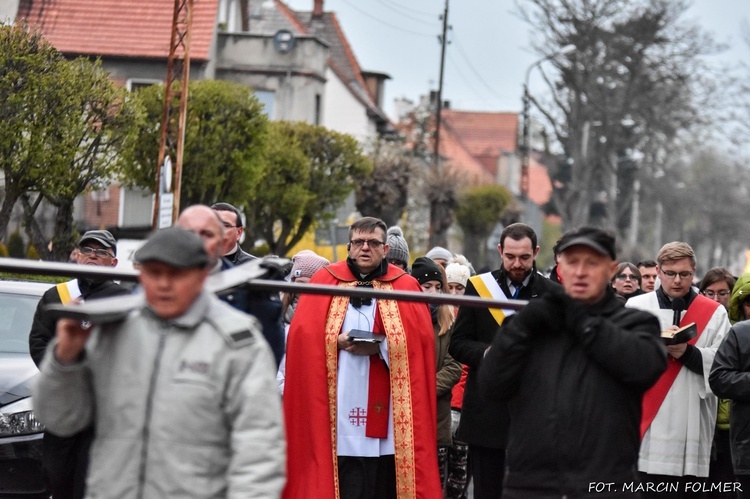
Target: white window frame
141	81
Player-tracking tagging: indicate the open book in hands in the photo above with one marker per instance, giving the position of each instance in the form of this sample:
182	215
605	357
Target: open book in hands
682	335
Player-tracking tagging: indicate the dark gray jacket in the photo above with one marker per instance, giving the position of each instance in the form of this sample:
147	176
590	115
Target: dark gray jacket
730	379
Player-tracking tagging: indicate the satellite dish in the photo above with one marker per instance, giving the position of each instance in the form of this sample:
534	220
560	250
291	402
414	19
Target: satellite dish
166	174
283	41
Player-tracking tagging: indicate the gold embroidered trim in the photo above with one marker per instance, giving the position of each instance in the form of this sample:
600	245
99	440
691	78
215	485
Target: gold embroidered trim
403	418
334	321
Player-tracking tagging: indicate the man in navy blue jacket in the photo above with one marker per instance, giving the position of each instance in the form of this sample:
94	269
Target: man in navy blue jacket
265	307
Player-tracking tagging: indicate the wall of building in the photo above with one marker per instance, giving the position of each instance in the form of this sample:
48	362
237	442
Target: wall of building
8	10
101	208
509	172
123	70
343	112
295	78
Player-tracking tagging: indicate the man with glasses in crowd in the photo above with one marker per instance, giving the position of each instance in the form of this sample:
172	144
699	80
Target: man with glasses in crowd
232	221
65	459
679	411
360	416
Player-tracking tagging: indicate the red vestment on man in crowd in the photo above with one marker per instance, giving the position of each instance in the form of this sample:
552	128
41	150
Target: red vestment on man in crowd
310	389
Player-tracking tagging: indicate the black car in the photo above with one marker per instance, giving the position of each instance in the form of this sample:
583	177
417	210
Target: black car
20	432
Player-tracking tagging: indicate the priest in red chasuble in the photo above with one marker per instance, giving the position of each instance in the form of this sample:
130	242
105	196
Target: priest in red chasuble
360	415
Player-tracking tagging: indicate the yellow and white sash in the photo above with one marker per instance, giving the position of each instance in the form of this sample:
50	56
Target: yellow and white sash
68	291
488	288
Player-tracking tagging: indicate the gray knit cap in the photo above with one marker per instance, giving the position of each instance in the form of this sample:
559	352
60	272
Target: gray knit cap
398	249
440	253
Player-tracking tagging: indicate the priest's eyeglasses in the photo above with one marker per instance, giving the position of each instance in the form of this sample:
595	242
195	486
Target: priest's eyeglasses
372	243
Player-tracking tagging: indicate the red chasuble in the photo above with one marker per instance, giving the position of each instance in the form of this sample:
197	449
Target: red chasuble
310	388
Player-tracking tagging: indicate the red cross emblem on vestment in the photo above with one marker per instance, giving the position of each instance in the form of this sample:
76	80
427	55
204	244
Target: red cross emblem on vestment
358	416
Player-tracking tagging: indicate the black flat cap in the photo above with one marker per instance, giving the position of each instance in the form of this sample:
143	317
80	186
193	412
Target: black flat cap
598	240
103	237
174	246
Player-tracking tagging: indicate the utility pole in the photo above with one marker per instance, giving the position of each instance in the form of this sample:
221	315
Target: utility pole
437	208
438	110
173	120
525	146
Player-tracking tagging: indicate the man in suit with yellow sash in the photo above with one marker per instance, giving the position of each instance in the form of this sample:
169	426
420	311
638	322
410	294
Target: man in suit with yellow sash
484	423
65	459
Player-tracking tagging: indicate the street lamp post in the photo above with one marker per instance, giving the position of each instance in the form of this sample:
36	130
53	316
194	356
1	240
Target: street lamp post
525	146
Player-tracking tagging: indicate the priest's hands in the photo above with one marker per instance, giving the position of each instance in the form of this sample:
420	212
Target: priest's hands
677	350
357	348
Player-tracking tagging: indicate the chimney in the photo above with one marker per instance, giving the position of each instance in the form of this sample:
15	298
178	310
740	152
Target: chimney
317	12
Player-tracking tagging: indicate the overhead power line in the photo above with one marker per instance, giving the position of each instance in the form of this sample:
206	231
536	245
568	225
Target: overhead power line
478	76
468	81
397	6
385	23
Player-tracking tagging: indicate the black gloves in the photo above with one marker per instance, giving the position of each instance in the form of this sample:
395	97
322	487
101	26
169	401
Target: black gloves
537	317
554	312
569	314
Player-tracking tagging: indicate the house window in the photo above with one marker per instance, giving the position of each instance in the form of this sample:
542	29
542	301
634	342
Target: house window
134	84
267	98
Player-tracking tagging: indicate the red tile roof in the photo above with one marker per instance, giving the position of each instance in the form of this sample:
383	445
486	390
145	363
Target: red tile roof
118	28
484	134
473	172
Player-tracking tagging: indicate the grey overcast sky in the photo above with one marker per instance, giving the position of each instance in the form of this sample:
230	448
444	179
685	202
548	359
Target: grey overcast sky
490	47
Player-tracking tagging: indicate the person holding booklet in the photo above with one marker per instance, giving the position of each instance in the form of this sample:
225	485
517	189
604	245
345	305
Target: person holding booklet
484	423
360	416
679	411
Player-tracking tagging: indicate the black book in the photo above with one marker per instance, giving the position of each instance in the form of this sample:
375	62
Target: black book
360	336
682	335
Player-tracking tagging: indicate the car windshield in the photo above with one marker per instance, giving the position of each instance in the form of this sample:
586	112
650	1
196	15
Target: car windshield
16	314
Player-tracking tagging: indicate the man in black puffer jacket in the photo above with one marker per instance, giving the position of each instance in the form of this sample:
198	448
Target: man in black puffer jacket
573	367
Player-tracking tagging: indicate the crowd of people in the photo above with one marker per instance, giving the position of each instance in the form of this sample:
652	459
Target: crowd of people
616	379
